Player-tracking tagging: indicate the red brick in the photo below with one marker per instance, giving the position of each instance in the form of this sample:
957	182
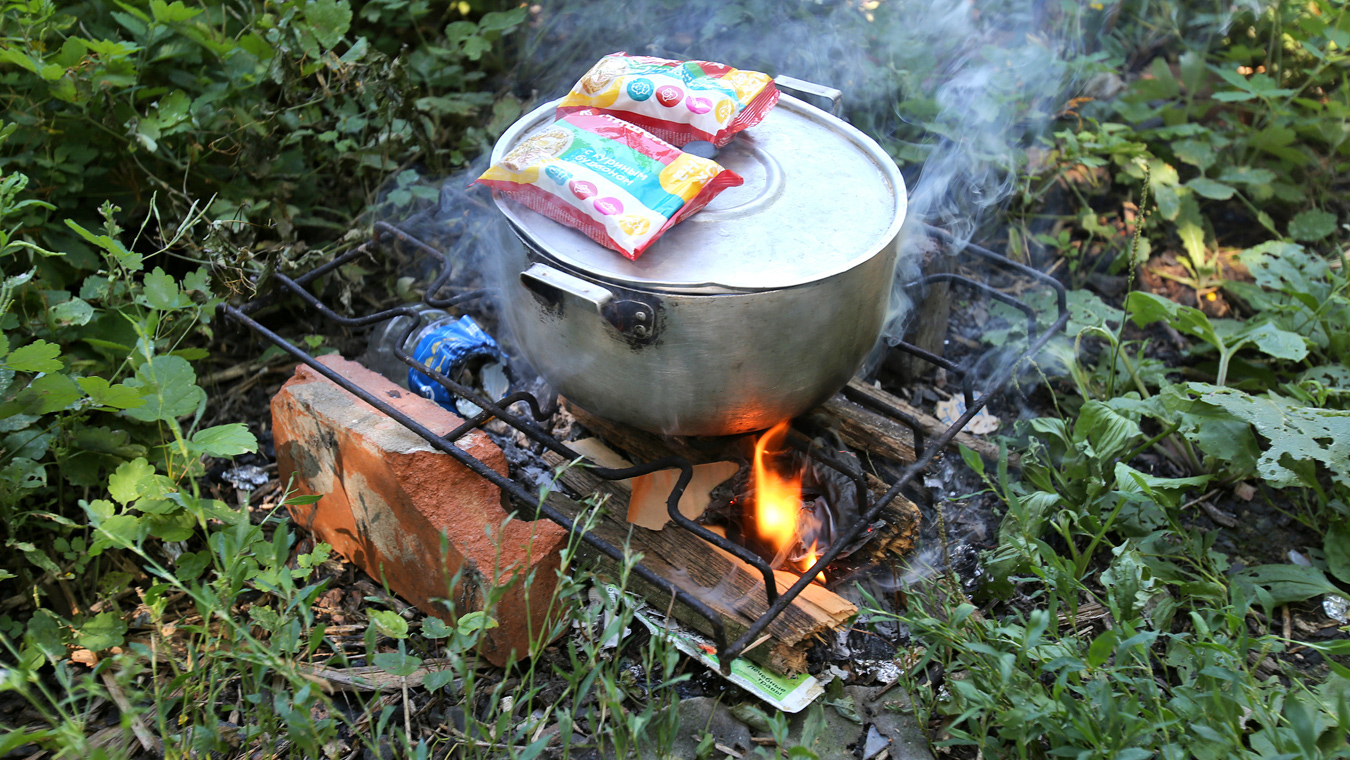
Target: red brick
389	499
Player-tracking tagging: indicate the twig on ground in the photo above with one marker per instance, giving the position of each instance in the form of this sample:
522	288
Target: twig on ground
1215	514
148	741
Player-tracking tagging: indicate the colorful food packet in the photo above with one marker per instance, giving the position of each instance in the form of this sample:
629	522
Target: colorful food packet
678	101
611	180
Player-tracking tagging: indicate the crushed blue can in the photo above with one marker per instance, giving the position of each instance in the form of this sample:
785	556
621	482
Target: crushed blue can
450	346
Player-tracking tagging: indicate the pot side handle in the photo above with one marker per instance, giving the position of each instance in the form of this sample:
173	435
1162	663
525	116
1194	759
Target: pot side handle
816	94
550	284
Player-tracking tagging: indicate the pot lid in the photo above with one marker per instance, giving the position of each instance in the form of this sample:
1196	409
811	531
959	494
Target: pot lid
819	198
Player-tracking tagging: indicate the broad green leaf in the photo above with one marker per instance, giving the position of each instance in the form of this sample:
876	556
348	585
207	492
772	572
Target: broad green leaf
161	291
1291	583
499	21
98	510
435	628
38	356
329	19
73	313
190	565
1336	545
474	621
102	393
1232	96
1102	648
1191	230
105	631
53	393
389	623
172	109
1275	342
437	680
224	440
132	480
27	444
397	663
475	47
39	558
1129	479
1199	153
1295	434
1246	175
1211	189
1312	225
178	526
1147	308
1110	433
170	389
17	58
44	631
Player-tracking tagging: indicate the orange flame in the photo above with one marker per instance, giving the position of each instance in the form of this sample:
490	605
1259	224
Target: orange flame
778	499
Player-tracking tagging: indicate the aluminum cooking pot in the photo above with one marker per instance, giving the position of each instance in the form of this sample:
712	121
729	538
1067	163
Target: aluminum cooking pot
752	311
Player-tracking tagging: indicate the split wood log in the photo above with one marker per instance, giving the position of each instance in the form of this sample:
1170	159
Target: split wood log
732	588
930	424
901	515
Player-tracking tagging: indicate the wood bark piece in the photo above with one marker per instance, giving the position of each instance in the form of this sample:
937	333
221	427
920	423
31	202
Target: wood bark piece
868	431
732	588
931	425
647	506
929	332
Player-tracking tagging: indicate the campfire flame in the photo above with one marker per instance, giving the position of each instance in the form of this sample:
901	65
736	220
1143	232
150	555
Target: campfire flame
778	503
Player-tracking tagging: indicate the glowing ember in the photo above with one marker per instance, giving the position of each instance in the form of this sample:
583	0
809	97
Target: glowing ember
778	503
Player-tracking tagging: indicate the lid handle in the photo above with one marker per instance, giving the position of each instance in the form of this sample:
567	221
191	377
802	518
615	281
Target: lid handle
817	95
550	283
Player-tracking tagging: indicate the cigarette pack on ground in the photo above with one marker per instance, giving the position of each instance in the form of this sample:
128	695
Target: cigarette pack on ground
678	101
609	179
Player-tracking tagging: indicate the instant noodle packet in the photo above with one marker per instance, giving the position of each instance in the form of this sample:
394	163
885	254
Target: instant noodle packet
611	180
678	101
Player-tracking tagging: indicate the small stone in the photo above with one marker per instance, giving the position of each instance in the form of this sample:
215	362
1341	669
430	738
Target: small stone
1337	608
874	743
246	477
